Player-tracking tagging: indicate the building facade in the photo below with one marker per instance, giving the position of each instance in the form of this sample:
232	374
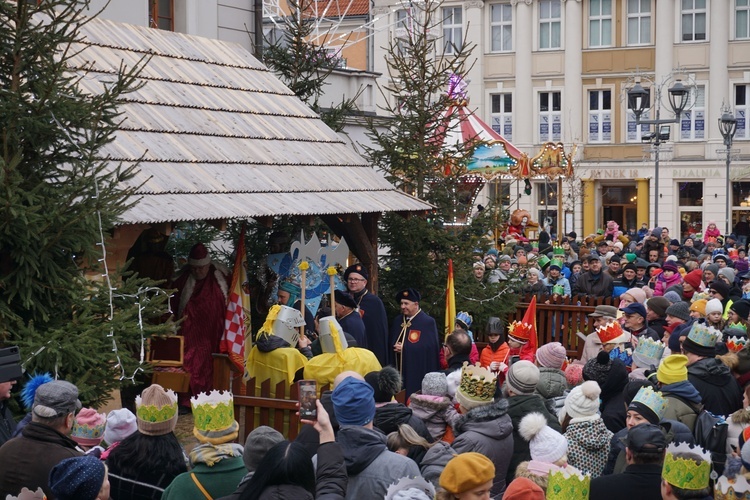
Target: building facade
559	70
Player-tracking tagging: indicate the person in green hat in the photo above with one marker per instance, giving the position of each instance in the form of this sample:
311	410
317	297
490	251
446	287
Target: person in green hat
555	282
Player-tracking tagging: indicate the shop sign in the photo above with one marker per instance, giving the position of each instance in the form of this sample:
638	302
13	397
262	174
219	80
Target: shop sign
695	173
614	173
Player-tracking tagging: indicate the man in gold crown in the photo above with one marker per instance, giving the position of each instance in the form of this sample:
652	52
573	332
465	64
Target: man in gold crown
415	341
686	473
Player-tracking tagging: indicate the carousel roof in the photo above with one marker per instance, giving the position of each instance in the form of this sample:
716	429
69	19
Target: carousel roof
218	136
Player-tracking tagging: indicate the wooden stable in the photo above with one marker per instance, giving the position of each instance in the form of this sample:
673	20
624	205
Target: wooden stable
557	321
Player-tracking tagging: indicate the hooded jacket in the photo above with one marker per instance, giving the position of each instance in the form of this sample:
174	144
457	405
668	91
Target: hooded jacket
371	468
612	406
389	416
436	412
435	460
487	430
684	403
737	423
719	390
518	407
588	444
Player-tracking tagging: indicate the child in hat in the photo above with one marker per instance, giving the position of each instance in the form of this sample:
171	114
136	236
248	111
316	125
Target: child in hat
587	435
88	431
433	405
80	478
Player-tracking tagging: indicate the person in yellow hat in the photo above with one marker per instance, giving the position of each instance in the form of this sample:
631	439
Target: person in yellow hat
683	399
468	475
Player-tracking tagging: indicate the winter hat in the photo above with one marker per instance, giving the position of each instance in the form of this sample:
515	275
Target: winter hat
55	399
712	268
466	471
743	360
410	488
637	293
650	404
77	478
353	402
680	310
522	377
477	387
668	266
720	287
672	369
29	389
701	340
120	424
551	355
714	305
356	268
741	307
658	305
156	411
435	384
522	488
694	278
385	383
597	368
88	427
574	374
728	273
213	417
545	444
699	306
648	352
672	296
257	444
583	400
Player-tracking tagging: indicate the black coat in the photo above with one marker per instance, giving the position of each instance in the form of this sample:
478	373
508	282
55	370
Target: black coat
642	482
372	310
7	423
719	390
612	406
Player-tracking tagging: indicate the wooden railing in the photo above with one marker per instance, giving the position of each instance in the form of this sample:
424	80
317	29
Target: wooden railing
561	318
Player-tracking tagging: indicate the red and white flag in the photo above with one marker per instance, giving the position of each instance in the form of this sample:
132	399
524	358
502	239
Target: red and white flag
237	319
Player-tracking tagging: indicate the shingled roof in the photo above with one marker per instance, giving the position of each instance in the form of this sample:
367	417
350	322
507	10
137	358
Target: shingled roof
220	137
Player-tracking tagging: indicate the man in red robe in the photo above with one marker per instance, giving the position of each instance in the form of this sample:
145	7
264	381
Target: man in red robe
201	299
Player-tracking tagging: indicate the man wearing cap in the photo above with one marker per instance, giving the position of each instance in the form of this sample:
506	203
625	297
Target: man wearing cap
201	302
594	282
644	452
635	322
714	381
603	315
27	460
349	319
414	340
371	468
372	311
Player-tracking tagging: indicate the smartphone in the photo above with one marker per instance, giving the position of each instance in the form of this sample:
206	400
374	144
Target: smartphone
308	395
514	358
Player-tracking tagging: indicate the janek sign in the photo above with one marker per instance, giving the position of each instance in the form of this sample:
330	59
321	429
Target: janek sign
613	173
695	173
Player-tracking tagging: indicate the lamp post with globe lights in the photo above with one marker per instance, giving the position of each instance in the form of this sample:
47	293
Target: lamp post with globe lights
728	127
638	102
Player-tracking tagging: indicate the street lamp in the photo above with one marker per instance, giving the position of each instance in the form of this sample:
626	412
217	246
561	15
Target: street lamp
727	127
638	101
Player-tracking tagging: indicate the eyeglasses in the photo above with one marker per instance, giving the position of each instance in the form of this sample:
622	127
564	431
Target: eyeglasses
356	279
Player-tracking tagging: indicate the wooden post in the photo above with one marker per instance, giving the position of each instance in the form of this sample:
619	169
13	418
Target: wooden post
331	271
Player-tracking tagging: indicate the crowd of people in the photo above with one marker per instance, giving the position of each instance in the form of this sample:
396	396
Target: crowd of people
508	420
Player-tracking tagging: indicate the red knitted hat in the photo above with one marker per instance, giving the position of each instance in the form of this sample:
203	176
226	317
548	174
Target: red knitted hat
694	278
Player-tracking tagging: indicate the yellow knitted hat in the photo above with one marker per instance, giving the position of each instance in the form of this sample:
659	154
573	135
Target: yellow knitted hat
672	369
466	471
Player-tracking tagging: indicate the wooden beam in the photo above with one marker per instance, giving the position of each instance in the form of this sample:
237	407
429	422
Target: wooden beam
265	221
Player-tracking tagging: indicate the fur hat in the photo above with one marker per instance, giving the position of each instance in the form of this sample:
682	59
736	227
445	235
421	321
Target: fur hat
88	427
523	376
583	400
156	411
545	444
435	384
120	424
385	384
714	305
679	310
551	355
466	471
198	255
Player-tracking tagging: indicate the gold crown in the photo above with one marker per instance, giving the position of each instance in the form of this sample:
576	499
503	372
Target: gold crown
564	485
477	383
156	414
213	411
703	335
687	473
609	332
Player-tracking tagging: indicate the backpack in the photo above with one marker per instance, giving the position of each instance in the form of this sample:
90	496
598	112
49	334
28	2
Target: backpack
711	434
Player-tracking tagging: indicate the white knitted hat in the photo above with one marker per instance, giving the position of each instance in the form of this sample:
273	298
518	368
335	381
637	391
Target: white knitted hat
714	305
545	444
583	400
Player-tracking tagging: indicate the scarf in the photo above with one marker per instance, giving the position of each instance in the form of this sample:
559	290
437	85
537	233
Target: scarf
212	454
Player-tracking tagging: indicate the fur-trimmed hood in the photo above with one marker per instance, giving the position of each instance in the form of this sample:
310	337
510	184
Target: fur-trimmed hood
741	417
429	405
487	420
